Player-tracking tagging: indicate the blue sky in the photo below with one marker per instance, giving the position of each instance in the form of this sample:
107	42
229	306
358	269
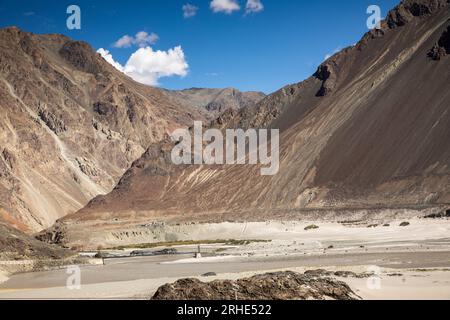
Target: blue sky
281	44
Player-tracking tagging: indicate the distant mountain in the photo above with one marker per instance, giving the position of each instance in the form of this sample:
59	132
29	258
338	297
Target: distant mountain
368	132
217	101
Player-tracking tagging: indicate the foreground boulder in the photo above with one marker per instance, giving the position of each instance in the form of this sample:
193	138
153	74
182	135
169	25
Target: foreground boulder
270	286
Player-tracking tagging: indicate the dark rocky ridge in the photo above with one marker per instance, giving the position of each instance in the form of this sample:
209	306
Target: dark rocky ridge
408	9
442	46
80	55
271	286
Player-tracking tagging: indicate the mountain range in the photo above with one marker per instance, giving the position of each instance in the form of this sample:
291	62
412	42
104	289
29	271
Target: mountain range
85	145
71	124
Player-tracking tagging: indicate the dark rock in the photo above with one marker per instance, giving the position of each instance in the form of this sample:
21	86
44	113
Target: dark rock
440	215
80	55
9	158
327	75
169	251
103	255
271	286
138	253
408	9
87	167
404	224
54	235
444	41
104	108
318	273
311	227
345	274
442	47
209	274
437	52
52	121
146	253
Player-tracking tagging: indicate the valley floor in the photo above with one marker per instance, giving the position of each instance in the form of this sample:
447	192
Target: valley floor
411	262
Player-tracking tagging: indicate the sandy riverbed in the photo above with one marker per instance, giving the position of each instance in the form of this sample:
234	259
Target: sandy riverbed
411	262
390	284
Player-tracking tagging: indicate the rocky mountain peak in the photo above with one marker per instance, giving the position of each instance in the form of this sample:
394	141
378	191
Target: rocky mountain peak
408	9
402	14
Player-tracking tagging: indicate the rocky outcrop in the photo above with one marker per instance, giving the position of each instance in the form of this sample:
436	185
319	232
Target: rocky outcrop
441	47
408	9
271	286
437	52
52	236
444	41
80	55
52	121
327	74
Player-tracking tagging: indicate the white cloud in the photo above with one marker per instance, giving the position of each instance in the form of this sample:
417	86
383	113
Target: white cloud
144	39
189	10
226	6
147	66
109	58
125	42
141	39
254	6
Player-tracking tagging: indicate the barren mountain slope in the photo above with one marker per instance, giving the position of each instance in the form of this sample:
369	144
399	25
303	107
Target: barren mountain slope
70	125
19	246
370	130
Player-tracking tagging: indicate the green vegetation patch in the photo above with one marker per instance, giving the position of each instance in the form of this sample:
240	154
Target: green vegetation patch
230	242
